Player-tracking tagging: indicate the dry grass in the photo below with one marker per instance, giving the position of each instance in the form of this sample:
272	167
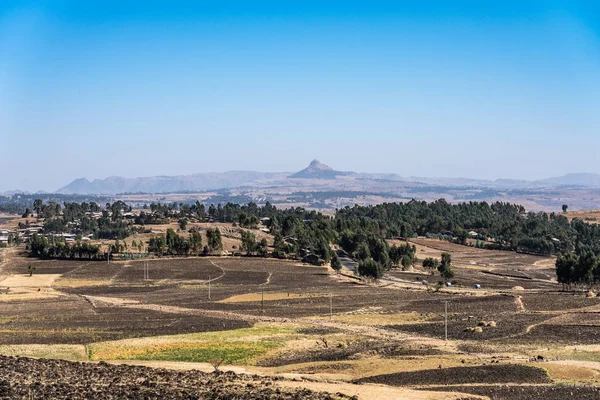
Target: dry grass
422	251
25	296
254	297
586	353
572	373
379	319
12	221
53	351
373	366
589	216
26	281
73	283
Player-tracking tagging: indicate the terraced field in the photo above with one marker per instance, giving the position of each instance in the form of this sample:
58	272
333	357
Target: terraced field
276	318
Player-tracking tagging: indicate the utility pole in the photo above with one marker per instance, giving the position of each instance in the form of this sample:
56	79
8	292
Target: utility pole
446	320
146	271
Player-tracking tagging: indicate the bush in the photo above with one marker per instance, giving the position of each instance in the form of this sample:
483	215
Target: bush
336	264
370	268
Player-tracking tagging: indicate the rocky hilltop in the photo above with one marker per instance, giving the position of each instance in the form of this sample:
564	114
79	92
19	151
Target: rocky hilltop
318	170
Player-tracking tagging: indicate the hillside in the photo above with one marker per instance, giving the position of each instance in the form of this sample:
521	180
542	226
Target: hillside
580	179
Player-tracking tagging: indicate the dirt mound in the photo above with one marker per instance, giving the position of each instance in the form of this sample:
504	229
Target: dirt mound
509	373
52	379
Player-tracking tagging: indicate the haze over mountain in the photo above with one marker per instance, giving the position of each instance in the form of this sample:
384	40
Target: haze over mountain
580	179
316	171
167	184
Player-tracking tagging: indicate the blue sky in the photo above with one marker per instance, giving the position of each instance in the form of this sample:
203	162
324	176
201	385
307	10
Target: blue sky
481	89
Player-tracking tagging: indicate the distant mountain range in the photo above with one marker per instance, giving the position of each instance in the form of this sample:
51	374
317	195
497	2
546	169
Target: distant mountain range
170	184
581	180
316	173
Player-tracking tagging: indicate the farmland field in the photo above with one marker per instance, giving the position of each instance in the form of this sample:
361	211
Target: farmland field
283	318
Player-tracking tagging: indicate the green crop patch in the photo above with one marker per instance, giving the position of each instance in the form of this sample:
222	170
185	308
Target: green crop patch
235	346
234	352
230	352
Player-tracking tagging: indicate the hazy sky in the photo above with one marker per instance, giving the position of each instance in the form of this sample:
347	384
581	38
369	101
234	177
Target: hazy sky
482	89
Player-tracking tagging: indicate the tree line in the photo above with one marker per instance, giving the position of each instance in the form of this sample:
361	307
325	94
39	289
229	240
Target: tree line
361	231
173	244
56	247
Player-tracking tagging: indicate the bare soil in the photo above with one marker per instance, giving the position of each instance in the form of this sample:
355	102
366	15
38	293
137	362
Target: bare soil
51	379
511	373
340	351
527	392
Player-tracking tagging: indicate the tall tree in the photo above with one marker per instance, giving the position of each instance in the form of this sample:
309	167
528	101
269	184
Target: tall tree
213	237
37	206
566	264
195	240
263	248
445	266
336	263
248	242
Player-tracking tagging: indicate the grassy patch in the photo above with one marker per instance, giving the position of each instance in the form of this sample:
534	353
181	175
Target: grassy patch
52	351
235	346
233	352
579	355
26	296
571	373
75	283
